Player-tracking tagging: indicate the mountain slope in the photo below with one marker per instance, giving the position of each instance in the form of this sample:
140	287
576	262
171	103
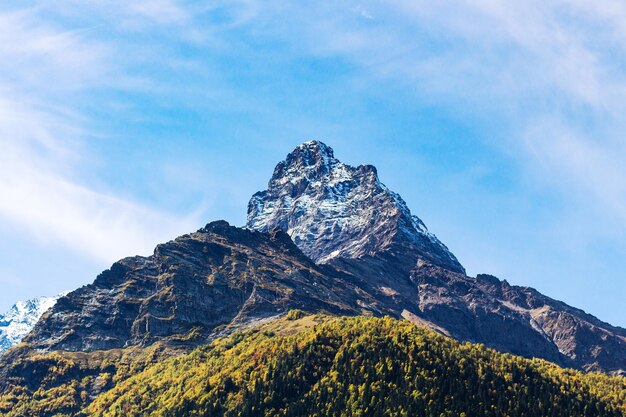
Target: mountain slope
21	318
357	366
190	288
519	320
309	365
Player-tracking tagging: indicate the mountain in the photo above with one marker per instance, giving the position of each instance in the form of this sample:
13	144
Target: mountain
190	288
345	218
311	365
359	366
324	238
21	318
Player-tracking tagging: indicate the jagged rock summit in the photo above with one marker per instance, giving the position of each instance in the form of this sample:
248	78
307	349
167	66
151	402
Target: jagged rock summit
333	210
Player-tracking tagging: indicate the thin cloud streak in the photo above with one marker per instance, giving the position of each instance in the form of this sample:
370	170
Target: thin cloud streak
44	141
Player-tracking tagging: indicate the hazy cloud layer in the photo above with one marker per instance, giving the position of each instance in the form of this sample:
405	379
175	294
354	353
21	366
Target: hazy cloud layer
46	72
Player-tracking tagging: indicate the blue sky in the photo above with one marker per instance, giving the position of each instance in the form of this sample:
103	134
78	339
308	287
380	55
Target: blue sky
124	124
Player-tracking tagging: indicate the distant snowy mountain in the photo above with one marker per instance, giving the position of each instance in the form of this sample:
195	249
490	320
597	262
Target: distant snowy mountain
20	319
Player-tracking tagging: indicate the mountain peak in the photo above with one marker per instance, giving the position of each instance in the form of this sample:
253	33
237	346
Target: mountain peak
307	160
333	210
315	147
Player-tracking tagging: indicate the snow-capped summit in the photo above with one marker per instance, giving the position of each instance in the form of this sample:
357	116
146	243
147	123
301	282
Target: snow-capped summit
21	318
333	210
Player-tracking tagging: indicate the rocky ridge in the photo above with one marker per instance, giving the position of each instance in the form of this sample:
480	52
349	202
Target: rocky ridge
517	319
189	290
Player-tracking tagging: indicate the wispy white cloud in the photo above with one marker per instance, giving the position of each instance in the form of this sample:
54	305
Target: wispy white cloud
161	11
39	58
44	137
56	209
593	173
363	13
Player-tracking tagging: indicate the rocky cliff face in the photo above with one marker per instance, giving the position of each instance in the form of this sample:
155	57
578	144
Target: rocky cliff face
516	319
219	276
324	237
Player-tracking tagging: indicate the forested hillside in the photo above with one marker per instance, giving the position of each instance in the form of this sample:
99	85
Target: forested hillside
201	327
315	366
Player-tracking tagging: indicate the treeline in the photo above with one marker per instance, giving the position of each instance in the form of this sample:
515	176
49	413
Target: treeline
348	367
